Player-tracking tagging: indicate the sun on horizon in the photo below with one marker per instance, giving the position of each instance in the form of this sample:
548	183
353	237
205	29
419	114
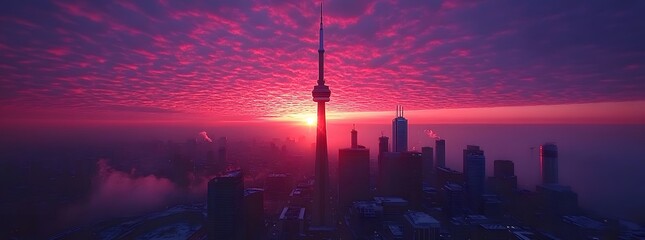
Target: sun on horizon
310	121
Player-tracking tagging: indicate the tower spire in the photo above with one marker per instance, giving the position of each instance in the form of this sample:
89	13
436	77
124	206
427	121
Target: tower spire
321	52
321	27
321	215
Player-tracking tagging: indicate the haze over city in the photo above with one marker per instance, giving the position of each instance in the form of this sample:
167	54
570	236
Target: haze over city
431	119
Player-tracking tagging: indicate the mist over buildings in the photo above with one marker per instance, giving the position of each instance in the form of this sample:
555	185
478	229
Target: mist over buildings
127	171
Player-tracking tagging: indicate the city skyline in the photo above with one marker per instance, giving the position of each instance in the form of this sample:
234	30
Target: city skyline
184	120
164	62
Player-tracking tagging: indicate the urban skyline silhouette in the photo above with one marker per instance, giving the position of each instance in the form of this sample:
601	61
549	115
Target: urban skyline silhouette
168	120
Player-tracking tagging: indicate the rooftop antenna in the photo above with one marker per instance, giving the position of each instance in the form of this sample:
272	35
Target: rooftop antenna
321	3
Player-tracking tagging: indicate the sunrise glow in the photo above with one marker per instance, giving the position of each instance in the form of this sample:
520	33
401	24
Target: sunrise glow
310	121
201	62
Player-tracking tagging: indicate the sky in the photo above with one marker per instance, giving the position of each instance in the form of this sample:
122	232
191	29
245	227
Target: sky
124	62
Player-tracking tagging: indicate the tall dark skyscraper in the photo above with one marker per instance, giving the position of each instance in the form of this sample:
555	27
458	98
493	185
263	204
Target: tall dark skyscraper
402	176
354	138
321	93
254	213
428	164
353	173
399	131
225	206
474	173
383	145
504	181
549	163
503	168
440	151
221	152
383	149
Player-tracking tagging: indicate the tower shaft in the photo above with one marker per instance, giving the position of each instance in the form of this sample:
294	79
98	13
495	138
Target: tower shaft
321	205
321	210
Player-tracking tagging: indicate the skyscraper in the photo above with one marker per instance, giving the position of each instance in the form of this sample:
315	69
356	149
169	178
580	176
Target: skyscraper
402	176
354	138
399	131
225	206
321	93
254	213
428	164
549	163
504	181
440	149
353	173
221	152
383	145
474	173
383	148
503	168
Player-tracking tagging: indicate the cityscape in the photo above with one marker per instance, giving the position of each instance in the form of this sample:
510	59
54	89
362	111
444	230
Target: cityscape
79	160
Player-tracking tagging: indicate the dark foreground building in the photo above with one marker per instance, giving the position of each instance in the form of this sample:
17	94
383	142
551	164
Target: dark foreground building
225	206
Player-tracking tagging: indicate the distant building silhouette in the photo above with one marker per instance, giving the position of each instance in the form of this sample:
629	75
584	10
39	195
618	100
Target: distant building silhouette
353	173
383	145
503	168
427	156
453	199
254	213
321	207
446	175
277	186
440	151
399	131
504	181
549	163
225	206
292	222
557	200
402	176
474	173
354	138
221	151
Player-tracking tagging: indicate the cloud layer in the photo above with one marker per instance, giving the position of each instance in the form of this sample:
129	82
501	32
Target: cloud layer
251	59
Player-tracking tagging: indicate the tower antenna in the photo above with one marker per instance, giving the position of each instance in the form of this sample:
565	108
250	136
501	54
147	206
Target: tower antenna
321	13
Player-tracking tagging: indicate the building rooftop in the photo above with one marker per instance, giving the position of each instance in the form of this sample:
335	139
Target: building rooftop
494	226
453	187
296	192
277	175
524	235
364	204
555	187
583	222
229	174
360	148
292	213
448	170
476	217
250	191
366	208
421	220
390	201
469	219
394	229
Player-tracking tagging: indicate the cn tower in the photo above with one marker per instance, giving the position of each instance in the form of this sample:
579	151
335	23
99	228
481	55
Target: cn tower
321	209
